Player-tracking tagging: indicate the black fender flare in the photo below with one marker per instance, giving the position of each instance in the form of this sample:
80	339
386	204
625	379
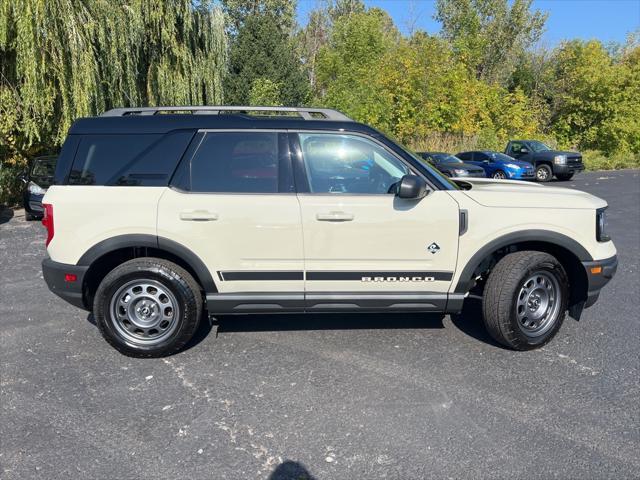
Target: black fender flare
544	236
143	240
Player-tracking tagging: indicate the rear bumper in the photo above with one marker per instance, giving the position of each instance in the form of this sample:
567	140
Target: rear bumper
598	280
54	275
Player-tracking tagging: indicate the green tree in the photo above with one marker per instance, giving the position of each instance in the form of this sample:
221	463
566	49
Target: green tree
585	93
262	50
347	64
265	92
64	59
282	12
490	36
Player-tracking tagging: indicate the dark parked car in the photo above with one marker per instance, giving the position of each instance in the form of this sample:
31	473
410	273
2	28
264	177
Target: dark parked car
498	165
451	165
547	161
37	179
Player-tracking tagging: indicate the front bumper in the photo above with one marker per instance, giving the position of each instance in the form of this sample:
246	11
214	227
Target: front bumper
54	274
33	203
599	273
568	169
522	175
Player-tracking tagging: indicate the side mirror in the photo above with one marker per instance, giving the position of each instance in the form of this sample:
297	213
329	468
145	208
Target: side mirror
412	187
22	176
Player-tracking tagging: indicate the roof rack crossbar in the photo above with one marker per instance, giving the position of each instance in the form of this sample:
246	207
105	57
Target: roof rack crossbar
305	113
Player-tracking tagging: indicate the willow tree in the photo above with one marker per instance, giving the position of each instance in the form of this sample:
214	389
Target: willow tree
63	59
66	58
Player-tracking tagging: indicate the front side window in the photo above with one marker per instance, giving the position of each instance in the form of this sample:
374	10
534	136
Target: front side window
336	163
236	162
516	147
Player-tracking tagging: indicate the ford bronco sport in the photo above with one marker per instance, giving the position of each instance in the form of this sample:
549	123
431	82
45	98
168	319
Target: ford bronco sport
157	215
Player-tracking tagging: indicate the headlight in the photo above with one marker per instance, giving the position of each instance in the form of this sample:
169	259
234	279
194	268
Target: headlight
35	189
512	165
460	173
601	226
560	159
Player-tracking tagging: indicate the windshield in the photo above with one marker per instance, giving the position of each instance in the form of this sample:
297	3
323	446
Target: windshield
537	146
447	159
500	157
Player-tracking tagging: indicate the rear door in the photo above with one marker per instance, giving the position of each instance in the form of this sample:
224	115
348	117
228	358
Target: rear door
364	247
232	203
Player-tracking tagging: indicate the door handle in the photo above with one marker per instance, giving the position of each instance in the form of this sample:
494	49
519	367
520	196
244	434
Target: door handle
334	217
198	216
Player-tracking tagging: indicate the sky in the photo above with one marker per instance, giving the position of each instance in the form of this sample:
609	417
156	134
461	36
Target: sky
605	20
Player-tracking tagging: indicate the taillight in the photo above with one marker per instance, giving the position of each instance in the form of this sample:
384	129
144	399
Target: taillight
47	221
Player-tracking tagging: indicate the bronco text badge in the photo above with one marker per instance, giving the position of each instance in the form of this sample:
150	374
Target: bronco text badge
417	278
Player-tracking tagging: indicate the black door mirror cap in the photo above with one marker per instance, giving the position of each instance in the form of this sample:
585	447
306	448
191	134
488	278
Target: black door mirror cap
412	187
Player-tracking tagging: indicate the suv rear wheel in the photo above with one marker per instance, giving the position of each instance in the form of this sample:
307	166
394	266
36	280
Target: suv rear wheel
148	307
525	299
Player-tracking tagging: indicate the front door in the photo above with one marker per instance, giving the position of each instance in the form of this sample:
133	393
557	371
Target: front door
363	246
233	205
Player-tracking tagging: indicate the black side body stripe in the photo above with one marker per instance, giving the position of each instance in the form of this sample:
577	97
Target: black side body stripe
389	276
327	275
261	275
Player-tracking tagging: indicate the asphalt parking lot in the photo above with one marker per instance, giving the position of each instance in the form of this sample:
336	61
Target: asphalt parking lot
323	397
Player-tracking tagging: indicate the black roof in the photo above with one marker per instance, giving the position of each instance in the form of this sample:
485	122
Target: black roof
159	124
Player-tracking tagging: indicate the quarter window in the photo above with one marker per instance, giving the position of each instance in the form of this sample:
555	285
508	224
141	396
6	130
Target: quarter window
337	163
236	162
101	157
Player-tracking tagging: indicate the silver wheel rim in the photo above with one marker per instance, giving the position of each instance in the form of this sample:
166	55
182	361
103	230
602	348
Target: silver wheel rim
538	303
499	175
144	312
542	173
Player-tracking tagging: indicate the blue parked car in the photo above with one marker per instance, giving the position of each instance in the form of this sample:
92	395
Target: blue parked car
498	165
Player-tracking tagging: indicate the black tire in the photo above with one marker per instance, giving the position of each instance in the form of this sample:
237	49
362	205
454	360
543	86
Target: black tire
502	302
565	176
29	217
544	173
499	175
178	287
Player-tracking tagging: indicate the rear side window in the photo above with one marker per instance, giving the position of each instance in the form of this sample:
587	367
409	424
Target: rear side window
128	160
237	162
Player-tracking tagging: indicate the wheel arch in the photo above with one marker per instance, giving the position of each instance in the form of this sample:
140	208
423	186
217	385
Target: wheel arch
567	250
108	254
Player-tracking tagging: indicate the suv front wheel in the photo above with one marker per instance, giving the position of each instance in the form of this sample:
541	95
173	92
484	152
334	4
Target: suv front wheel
525	299
148	307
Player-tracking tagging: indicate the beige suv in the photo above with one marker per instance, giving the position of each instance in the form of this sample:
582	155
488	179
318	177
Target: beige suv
158	215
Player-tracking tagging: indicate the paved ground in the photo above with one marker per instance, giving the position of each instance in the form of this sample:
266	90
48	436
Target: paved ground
349	397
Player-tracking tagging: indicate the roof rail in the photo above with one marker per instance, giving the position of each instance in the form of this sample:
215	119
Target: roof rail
305	113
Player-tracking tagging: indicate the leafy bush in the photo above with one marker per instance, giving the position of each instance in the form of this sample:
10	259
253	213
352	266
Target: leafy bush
596	160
